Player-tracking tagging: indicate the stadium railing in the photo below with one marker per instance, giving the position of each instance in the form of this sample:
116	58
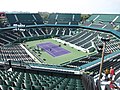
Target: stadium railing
117	75
88	82
77	59
107	87
98	60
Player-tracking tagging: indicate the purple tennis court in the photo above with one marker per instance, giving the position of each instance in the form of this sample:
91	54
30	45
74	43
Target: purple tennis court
53	49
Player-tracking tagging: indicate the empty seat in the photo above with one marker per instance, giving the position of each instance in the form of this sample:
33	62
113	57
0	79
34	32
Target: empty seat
3	87
36	87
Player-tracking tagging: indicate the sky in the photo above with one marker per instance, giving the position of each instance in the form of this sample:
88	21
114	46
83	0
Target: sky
62	6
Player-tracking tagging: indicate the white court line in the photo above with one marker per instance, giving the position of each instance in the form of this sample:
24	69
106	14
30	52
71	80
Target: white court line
54	50
47	50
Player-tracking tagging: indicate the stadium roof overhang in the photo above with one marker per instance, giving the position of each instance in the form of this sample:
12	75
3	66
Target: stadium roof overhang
116	33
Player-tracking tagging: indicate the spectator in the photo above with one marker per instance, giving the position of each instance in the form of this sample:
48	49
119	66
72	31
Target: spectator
113	85
112	72
107	71
106	74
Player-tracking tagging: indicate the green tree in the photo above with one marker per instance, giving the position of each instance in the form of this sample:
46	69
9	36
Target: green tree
85	16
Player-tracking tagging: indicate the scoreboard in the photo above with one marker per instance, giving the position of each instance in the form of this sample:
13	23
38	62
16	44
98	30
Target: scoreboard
2	15
3	20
